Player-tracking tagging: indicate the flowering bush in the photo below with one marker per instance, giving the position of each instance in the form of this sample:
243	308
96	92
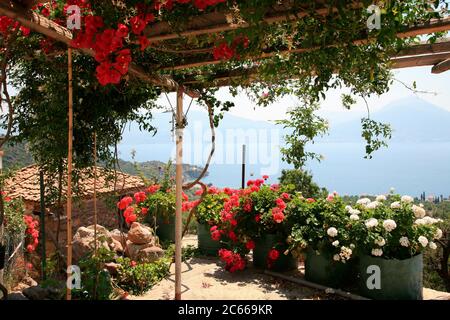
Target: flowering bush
393	228
209	209
323	225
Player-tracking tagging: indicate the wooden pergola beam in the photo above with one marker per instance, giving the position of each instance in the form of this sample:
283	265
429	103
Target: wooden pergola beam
437	25
441	67
216	22
426	48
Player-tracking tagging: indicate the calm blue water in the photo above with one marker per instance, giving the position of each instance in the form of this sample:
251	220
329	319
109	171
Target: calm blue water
409	168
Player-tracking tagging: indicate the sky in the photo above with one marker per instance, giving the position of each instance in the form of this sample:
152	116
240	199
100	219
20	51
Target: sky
435	86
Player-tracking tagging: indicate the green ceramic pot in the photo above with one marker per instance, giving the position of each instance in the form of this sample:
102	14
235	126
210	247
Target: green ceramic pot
206	245
261	252
320	268
398	279
165	229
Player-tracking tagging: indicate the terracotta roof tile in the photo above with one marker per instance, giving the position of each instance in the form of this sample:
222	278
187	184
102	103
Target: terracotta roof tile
25	183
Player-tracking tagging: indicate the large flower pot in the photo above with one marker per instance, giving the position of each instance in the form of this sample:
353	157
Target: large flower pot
398	279
165	228
320	268
206	245
261	253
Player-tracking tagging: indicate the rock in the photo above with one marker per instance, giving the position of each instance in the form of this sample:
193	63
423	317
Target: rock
25	283
35	293
16	295
83	241
133	249
116	246
140	234
112	267
150	254
117	235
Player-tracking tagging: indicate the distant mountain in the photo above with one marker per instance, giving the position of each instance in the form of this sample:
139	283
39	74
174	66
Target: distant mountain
18	156
412	120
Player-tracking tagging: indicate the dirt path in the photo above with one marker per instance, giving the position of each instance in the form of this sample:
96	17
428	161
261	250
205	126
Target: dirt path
206	279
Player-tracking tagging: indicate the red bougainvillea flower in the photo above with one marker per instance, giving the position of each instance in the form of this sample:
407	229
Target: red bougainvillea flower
144	42
250	182
226	255
213	190
30	248
248	206
285	196
250	245
124	202
277	215
154	188
274	254
185	197
330	197
258	218
139	197
216	235
133	264
223	52
128	211
280	203
29	266
275	187
310	200
122	30
144	211
137	25
232	236
199	192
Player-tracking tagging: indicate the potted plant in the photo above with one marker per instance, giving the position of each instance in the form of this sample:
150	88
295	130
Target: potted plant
207	214
391	235
261	216
320	228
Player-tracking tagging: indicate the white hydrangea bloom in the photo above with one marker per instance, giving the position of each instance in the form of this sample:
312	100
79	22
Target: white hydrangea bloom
419	222
354	217
363	201
423	241
404	241
381	198
430	220
348	208
438	234
396	205
371	223
352	246
421	205
346	253
432	245
336	257
377	252
335	243
354	211
332	232
407	199
380	242
418	211
389	225
373	205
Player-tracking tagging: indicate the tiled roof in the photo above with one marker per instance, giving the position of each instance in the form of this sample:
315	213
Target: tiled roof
25	183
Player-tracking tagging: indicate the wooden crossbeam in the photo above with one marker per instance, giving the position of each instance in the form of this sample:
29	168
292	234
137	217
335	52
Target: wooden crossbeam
217	22
426	48
441	67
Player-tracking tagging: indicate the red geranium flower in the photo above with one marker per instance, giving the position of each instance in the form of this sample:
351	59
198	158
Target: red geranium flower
250	245
274	254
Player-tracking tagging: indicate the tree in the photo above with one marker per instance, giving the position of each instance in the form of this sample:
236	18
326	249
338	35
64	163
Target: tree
303	182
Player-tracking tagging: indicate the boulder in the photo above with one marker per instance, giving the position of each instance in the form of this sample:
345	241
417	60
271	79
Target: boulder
16	295
140	234
150	254
116	246
117	235
83	241
35	293
133	249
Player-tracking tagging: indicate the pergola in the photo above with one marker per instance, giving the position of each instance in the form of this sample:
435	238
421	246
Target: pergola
436	55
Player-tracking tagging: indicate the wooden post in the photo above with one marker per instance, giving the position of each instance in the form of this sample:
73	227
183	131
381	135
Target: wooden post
243	166
42	224
69	172
2	223
179	191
